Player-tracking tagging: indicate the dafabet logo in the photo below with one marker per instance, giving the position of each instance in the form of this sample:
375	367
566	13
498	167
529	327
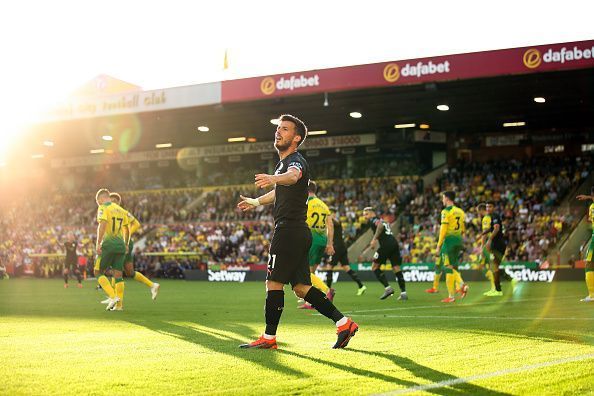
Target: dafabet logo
391	72
268	85
533	58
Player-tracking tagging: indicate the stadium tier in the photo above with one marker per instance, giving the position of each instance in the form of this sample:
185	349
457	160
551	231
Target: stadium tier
205	225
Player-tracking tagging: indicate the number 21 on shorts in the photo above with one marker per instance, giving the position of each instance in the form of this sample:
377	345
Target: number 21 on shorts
271	262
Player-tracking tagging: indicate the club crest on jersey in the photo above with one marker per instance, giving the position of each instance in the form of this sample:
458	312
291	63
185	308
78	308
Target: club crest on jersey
280	167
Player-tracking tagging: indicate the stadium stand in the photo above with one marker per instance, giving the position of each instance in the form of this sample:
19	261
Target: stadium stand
527	193
204	223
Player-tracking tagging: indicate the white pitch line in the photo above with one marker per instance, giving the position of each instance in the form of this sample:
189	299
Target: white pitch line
473	317
497	373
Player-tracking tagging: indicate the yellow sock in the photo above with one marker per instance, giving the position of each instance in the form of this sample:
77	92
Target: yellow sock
106	286
451	283
590	283
119	289
459	280
112	279
319	284
142	279
489	276
436	281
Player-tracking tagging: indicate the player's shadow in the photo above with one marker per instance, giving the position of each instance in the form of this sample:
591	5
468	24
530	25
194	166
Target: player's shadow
434	376
409	365
350	369
223	339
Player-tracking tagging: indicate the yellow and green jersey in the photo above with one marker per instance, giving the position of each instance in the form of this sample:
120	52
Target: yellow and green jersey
452	224
133	223
317	213
115	217
486	223
591	216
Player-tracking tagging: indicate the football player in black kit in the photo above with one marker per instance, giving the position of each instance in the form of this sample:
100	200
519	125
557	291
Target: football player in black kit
497	245
70	262
388	250
340	258
291	241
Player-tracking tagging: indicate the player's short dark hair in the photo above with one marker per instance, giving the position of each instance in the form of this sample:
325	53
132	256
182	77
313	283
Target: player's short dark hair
299	126
592	190
449	195
100	193
117	197
312	187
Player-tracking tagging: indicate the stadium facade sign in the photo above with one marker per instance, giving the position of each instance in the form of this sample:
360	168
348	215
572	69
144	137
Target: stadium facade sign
137	102
534	57
194	153
542	58
554	57
269	85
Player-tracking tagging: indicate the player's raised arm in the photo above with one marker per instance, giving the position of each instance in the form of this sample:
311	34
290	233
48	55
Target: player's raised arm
583	197
250	203
290	177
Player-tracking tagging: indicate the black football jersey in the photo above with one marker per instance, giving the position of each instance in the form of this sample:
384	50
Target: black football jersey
338	241
500	237
70	251
386	237
290	204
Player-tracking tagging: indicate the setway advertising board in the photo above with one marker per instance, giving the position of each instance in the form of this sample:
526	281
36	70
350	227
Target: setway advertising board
525	272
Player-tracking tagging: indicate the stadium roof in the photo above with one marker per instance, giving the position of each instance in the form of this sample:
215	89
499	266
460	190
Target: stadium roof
486	91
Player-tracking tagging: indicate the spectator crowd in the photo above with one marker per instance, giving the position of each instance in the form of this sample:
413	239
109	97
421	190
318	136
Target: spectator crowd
197	227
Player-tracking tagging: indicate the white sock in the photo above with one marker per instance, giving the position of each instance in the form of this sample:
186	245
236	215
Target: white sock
342	321
268	336
388	287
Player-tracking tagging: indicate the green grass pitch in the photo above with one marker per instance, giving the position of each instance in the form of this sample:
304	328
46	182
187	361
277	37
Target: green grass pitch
61	341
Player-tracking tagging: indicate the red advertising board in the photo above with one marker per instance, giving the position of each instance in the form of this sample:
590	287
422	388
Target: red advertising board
542	58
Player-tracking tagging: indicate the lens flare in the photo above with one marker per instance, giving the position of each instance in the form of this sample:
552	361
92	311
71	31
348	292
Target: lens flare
187	158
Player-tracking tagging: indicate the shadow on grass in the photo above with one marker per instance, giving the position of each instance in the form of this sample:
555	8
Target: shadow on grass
223	340
350	369
433	376
226	338
494	328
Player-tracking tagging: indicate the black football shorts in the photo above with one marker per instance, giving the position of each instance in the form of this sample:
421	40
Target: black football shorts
288	261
